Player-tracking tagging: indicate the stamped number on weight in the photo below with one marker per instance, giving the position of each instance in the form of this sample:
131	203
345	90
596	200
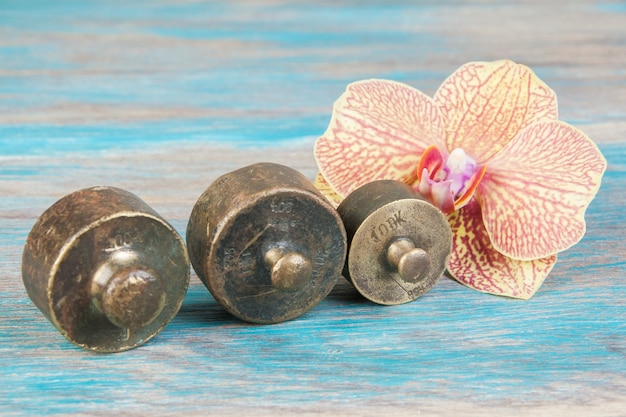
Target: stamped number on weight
122	240
281	206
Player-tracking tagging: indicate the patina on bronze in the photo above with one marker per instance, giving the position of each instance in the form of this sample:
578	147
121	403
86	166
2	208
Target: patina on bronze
399	244
266	243
105	269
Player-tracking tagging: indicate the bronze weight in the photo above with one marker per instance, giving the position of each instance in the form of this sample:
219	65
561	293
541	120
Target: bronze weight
399	244
105	269
266	243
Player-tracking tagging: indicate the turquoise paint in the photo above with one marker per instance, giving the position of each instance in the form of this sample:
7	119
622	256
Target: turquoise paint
612	7
241	83
61	140
346	344
534	361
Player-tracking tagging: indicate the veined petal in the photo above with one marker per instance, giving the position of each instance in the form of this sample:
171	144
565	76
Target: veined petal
431	161
470	188
486	104
475	263
327	191
536	191
378	130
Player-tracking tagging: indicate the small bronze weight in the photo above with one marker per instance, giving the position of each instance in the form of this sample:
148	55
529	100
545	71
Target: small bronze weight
266	243
105	269
399	244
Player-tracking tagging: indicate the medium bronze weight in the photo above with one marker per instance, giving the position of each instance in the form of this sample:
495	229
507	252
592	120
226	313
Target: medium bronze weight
105	269
266	243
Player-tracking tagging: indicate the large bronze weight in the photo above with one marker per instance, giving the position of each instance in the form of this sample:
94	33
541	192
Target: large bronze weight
105	269
266	243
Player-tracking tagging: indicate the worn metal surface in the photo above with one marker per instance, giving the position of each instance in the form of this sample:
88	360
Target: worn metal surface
399	244
266	244
105	269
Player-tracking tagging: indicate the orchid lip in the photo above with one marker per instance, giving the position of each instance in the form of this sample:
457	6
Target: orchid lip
448	182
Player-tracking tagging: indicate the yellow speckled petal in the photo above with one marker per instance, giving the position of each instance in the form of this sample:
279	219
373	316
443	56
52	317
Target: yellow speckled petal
378	130
536	191
327	191
486	104
475	263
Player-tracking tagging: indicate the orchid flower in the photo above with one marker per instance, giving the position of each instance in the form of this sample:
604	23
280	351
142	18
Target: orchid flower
488	151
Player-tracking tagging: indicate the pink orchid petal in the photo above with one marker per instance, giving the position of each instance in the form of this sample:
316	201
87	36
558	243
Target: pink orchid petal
470	188
442	196
431	161
424	186
475	263
536	191
378	130
487	103
327	191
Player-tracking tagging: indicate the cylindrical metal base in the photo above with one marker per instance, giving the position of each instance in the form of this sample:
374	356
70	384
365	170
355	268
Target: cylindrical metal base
266	243
105	269
399	244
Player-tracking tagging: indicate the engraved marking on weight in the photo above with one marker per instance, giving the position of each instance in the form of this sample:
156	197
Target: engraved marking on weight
228	261
122	240
416	292
247	264
320	260
244	264
283	224
392	223
281	206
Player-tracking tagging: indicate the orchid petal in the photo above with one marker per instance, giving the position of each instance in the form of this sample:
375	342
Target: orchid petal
431	161
536	191
470	188
327	191
378	130
424	186
442	196
475	263
486	104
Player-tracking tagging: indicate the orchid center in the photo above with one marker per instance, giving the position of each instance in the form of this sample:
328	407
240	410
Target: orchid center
448	181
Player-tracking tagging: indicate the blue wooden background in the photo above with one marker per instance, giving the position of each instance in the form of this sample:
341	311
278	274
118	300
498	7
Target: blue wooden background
161	97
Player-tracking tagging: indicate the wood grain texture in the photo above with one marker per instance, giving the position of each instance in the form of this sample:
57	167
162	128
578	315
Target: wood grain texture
162	97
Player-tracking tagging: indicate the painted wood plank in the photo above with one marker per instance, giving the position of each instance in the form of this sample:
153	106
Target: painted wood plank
162	97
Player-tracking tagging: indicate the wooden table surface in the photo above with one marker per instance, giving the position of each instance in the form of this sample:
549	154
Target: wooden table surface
161	97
